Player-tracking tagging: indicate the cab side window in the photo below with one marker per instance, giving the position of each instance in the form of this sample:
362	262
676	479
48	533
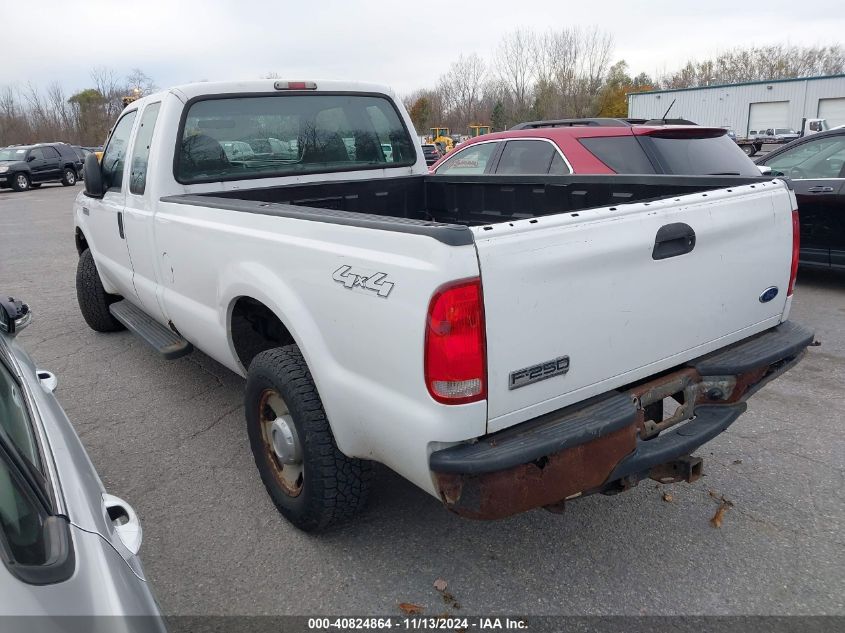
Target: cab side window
35	153
21	518
21	515
50	153
141	152
529	158
822	158
15	424
472	160
115	153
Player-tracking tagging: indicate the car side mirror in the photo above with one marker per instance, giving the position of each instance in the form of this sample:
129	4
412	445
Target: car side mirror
14	315
92	175
764	169
30	158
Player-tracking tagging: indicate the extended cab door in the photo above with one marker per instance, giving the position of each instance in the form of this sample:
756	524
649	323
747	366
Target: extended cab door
139	211
108	235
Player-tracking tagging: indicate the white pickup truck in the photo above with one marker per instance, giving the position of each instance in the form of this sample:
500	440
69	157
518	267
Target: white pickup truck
503	342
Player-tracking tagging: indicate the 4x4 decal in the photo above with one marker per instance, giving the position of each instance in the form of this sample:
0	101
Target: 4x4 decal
374	282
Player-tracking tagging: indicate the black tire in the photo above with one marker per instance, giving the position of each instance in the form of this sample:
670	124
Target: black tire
69	177
21	182
331	487
93	299
749	150
34	185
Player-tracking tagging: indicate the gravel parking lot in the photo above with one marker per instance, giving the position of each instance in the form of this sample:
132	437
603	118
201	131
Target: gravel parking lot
170	438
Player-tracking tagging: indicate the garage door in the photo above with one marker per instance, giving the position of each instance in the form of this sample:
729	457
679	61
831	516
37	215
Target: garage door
763	116
833	110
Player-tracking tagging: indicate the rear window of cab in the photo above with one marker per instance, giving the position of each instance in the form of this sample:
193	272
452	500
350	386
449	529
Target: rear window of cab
672	152
235	138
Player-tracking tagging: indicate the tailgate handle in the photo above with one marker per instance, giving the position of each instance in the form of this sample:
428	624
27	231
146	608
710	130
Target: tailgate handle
673	240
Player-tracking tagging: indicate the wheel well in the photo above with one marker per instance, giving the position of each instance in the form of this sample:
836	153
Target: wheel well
81	242
255	328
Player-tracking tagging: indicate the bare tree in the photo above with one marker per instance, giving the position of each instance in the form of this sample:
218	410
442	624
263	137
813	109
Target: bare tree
139	84
515	61
759	64
29	114
461	88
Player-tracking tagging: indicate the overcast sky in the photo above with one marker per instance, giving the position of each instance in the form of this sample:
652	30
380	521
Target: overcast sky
405	44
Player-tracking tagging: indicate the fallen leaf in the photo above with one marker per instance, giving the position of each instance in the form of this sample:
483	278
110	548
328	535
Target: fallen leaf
440	584
667	497
716	521
410	609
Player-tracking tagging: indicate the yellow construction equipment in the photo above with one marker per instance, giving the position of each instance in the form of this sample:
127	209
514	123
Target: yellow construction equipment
478	130
440	136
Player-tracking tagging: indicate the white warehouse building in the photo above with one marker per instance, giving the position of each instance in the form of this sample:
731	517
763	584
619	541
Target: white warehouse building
755	105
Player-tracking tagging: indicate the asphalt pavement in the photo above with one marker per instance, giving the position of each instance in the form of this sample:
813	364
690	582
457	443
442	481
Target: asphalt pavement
170	438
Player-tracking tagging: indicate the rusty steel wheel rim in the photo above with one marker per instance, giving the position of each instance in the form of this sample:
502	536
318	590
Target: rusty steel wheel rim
281	442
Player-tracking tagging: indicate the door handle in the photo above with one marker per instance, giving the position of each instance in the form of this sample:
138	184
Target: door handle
673	240
120	224
820	189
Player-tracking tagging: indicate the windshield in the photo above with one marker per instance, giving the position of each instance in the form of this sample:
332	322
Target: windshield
13	153
253	137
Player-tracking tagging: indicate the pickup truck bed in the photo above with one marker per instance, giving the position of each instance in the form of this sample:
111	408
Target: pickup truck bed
424	204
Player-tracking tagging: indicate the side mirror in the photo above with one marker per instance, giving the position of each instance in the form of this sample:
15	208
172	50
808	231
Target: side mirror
30	158
92	176
764	169
125	523
48	380
14	315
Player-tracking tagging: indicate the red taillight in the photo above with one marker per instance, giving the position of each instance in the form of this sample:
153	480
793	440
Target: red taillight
455	365
796	247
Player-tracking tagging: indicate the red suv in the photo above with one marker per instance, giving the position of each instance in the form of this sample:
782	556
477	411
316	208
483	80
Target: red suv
599	146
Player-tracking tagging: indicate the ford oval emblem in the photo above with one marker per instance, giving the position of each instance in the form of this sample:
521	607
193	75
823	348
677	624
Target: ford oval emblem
769	294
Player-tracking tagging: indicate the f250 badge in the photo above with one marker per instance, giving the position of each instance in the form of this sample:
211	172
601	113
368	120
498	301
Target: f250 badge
540	371
364	280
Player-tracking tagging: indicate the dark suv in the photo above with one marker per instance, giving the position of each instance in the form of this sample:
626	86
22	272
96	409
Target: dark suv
25	166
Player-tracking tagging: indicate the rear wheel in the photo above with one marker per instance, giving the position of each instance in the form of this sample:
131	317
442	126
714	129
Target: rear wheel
69	177
20	182
749	150
311	482
93	299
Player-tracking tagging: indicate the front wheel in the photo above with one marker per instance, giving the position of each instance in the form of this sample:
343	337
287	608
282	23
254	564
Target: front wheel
69	178
311	482
93	299
20	182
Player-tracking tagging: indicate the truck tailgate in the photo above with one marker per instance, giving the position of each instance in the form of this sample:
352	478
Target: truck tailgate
591	299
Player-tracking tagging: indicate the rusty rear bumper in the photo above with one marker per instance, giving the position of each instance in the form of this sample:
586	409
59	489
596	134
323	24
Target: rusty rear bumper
609	443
